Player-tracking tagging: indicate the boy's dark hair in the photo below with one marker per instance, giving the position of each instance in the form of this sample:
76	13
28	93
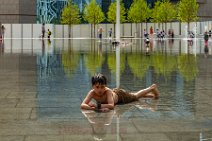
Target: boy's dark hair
99	79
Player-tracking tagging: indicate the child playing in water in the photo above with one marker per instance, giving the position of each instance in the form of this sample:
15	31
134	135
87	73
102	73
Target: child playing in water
107	98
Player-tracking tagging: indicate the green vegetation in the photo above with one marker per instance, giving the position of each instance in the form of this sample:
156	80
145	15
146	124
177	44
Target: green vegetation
70	15
187	11
167	12
94	15
163	12
156	17
139	12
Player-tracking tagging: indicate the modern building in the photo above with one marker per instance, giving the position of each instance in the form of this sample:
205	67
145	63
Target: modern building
18	11
205	10
49	11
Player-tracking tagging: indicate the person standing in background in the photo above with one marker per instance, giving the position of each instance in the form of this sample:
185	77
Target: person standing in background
2	31
151	31
43	30
100	33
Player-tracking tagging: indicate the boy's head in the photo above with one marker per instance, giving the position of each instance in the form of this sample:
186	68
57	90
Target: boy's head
98	79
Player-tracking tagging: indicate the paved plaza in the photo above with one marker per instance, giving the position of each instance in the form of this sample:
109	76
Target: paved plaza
42	84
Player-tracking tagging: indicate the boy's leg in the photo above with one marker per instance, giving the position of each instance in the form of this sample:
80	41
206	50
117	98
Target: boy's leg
148	92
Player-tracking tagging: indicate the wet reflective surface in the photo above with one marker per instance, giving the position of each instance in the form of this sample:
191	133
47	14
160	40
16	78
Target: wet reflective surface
44	82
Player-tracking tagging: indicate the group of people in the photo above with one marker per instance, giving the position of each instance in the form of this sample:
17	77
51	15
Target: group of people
2	32
159	34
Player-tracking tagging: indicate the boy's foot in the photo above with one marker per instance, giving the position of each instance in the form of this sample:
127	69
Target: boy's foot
155	91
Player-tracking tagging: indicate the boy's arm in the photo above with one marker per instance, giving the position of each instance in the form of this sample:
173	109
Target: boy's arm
110	101
85	104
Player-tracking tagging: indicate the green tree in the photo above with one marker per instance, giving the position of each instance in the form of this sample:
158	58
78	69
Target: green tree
187	11
167	12
111	14
70	15
155	13
94	15
139	12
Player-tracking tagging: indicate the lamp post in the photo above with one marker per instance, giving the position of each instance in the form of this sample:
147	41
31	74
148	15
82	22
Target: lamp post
117	58
118	20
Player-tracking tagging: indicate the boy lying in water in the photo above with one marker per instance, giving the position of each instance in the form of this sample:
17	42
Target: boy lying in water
107	98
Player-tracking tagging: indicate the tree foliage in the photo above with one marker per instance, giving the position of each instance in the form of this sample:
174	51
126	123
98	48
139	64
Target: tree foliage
167	11
156	17
187	11
70	14
93	13
111	14
138	12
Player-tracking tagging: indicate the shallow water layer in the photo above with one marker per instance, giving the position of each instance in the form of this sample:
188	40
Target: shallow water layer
43	83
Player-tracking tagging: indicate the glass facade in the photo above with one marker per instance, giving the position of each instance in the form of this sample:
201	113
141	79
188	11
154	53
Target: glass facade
49	11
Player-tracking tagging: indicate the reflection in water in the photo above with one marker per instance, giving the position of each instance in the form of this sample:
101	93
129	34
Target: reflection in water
139	64
70	61
134	67
118	66
188	66
206	50
100	123
47	59
65	70
1	47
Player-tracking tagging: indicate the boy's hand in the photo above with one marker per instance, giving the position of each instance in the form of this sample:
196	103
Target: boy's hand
92	105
